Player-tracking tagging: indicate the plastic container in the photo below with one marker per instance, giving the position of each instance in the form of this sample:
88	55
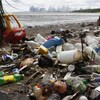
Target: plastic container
71	56
92	68
32	44
42	50
91	41
40	39
79	46
59	49
68	46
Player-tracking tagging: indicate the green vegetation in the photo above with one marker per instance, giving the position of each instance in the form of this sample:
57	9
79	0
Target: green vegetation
88	10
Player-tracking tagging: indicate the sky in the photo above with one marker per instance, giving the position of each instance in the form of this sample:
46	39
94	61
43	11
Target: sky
24	5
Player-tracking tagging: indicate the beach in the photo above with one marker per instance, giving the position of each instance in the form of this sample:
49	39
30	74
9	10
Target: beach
18	91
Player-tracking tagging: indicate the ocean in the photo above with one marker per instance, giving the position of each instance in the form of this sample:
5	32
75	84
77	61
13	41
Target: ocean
38	19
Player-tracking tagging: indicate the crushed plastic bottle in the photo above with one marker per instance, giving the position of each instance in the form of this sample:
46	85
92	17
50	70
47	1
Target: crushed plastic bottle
77	84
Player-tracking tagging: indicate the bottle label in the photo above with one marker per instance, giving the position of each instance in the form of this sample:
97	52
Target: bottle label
9	78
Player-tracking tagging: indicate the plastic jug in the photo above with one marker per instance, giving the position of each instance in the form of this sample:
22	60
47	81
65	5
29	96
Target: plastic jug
71	56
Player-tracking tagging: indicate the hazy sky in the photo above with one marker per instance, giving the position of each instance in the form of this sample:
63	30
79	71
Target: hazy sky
23	5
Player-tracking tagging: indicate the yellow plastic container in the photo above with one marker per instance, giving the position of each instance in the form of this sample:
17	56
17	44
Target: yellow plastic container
42	50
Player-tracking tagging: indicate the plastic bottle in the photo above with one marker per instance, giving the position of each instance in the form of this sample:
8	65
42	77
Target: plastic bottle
92	68
68	46
53	42
40	39
67	57
59	49
95	93
77	84
89	51
79	46
1	73
95	75
32	44
11	78
91	41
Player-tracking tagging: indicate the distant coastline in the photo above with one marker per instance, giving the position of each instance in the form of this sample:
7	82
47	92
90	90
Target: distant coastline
97	10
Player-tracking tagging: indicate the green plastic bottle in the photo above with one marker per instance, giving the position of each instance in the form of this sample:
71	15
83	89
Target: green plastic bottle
11	78
1	73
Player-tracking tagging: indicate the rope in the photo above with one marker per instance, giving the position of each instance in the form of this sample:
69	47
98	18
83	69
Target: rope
11	5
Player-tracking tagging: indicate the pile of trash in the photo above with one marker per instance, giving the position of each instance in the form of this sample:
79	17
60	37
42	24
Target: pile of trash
61	66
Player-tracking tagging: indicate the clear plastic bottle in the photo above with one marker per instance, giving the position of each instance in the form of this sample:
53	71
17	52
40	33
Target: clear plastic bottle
77	84
92	68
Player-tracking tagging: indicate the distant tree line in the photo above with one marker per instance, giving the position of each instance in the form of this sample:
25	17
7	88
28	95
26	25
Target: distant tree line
50	9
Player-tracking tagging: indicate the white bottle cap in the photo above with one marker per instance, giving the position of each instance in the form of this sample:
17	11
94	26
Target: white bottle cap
71	68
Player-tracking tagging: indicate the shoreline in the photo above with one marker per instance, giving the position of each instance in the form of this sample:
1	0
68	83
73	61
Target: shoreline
46	29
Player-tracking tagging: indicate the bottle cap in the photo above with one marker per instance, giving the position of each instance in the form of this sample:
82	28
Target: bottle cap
71	68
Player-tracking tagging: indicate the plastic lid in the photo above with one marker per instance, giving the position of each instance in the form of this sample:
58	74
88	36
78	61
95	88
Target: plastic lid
71	68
